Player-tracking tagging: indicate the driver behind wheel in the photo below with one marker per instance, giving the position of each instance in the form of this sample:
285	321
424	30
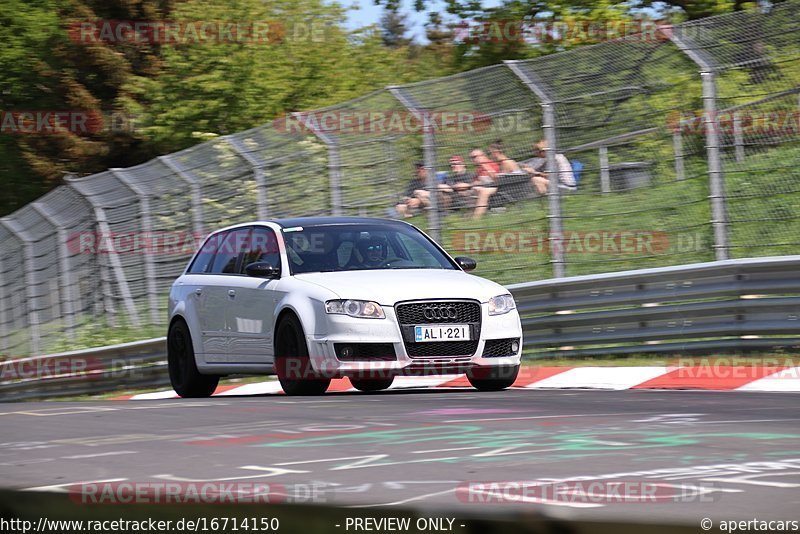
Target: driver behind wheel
374	251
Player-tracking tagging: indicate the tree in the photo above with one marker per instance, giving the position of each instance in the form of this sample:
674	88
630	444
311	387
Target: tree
309	62
48	69
394	29
690	9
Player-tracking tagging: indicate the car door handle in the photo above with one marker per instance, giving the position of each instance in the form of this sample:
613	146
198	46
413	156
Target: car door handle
198	291
231	293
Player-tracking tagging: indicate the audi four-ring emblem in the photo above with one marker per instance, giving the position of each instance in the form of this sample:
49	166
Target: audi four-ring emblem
432	313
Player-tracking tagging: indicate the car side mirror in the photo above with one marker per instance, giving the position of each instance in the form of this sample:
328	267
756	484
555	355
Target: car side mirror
468	264
262	269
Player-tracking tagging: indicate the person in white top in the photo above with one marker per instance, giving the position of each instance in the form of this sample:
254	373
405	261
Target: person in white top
566	178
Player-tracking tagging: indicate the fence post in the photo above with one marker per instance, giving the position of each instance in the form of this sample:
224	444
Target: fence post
116	264
3	314
738	137
429	153
605	178
716	179
258	175
197	194
65	274
334	166
113	259
30	281
147	230
553	190
677	147
716	185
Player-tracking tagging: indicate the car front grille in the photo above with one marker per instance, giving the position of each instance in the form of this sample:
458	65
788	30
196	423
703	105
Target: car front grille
411	314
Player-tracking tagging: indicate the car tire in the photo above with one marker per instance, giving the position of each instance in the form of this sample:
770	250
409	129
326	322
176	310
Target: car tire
492	378
186	380
368	385
292	364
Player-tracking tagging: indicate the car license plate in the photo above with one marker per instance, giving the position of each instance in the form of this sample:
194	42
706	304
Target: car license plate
441	332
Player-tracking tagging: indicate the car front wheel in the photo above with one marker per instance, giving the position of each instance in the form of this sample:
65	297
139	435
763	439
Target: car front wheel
492	378
372	384
292	364
186	380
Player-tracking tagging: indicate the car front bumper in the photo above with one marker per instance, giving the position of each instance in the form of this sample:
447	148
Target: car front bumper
343	329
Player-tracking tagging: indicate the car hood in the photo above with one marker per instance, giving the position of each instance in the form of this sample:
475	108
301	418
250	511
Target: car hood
388	286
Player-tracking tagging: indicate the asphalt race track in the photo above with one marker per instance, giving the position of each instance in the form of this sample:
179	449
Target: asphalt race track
721	455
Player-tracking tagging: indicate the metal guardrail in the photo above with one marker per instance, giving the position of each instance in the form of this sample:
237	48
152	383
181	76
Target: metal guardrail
141	364
732	305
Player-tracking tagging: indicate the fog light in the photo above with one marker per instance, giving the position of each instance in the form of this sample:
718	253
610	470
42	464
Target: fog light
514	346
347	352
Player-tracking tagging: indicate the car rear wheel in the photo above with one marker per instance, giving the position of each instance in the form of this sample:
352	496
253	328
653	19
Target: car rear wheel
372	384
186	380
492	378
292	364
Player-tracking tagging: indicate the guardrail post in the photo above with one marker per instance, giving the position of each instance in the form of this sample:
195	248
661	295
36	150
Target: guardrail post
30	281
429	152
197	194
677	147
65	274
334	165
605	178
719	217
553	191
258	175
147	230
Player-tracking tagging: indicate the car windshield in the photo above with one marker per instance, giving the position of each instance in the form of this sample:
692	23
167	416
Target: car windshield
353	247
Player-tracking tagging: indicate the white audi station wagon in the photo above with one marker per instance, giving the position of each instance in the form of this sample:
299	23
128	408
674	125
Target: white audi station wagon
311	299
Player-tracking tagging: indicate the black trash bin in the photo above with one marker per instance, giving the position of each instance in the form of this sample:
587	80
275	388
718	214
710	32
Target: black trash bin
629	175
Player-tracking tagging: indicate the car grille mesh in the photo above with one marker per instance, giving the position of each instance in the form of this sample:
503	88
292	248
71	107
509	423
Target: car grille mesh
444	312
497	348
466	312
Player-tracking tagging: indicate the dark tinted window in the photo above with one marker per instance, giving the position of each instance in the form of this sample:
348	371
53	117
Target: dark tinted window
349	247
202	262
262	245
228	252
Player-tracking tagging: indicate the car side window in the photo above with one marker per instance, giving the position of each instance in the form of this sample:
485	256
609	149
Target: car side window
262	246
226	258
202	262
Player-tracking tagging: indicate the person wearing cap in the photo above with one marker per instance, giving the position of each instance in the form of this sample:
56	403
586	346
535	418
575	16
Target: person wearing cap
415	195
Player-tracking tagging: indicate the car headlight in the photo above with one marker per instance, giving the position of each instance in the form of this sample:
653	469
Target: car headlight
364	309
501	304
